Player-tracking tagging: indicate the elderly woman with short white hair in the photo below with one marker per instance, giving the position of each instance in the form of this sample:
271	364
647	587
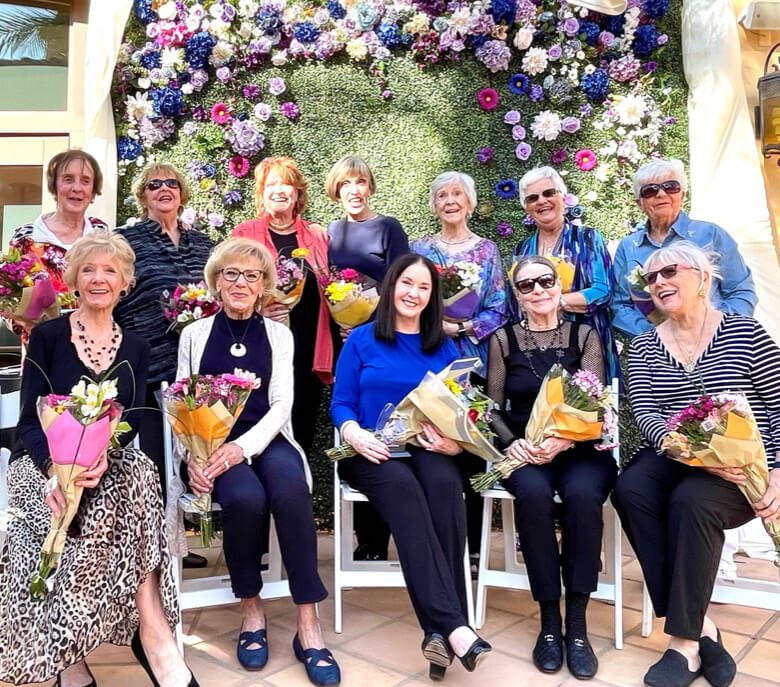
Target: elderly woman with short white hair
579	253
659	188
675	514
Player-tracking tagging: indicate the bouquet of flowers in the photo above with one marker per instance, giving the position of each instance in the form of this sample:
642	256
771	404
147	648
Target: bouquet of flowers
577	407
449	402
27	295
187	303
459	289
351	297
720	431
78	428
290	279
639	291
202	410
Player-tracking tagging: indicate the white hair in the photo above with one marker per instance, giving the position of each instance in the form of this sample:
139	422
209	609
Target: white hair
537	174
660	170
453	178
703	259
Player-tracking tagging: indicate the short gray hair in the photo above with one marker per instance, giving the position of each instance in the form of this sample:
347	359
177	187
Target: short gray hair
687	252
453	178
658	169
537	174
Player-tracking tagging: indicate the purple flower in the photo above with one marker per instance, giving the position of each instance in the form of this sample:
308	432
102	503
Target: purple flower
523	151
504	229
651	66
215	219
512	117
518	132
485	155
537	93
232	198
198	79
387	94
571	26
290	110
495	55
223	74
251	91
554	52
276	86
244	138
559	156
586	110
571	125
670	120
263	112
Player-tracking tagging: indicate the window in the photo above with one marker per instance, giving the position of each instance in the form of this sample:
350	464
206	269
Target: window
34	55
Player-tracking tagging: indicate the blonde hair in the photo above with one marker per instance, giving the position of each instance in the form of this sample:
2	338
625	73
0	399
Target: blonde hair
241	247
100	241
349	165
289	173
152	170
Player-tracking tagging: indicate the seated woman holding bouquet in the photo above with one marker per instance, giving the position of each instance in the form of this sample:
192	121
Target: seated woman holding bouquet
260	469
675	514
114	580
420	497
520	357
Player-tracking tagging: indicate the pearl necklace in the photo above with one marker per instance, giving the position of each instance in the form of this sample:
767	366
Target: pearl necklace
456	242
97	354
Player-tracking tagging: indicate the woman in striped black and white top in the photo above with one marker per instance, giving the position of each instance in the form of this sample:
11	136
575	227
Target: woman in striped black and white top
675	515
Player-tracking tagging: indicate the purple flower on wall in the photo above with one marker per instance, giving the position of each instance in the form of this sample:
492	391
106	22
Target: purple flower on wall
504	229
485	155
290	110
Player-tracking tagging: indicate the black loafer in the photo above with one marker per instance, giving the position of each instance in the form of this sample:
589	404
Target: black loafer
717	665
437	650
580	659
548	653
475	654
671	671
194	560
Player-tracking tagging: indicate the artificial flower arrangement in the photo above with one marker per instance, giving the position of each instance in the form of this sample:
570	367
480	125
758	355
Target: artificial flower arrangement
577	407
460	290
202	410
290	279
720	431
27	295
639	291
449	402
188	303
350	296
79	427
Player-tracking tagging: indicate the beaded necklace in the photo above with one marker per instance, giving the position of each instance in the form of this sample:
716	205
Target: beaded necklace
95	353
532	344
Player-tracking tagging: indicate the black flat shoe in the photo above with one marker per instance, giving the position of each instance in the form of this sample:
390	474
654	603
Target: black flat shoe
671	671
140	656
580	659
548	652
476	653
194	560
437	650
717	665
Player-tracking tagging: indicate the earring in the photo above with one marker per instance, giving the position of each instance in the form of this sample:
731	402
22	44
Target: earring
76	293
523	320
700	292
122	293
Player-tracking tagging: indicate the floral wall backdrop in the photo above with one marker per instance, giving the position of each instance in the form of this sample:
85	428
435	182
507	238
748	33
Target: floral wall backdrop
416	87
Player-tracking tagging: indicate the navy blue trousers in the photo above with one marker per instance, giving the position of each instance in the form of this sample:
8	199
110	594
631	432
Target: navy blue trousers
275	483
421	499
583	478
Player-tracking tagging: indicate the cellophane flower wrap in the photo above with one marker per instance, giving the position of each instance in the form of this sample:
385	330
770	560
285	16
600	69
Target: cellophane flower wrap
719	431
202	410
78	428
577	407
27	295
290	280
460	290
350	296
188	303
448	401
639	290
564	268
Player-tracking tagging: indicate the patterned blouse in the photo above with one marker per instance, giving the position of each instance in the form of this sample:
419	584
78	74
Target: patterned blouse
593	276
493	309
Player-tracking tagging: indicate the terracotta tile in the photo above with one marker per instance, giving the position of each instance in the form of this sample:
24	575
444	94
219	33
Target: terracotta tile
627	667
632	594
739	619
517	601
209	672
500	669
214	621
388	602
773	633
743	680
355	672
395	646
761	661
127	676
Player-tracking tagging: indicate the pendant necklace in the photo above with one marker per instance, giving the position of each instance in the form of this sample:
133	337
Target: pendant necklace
237	348
690	361
532	344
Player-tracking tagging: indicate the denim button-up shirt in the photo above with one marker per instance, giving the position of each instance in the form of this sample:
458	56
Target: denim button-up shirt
734	292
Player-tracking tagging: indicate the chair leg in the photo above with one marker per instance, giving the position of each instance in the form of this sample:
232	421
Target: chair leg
484	560
177	578
469	588
337	555
647	612
617	567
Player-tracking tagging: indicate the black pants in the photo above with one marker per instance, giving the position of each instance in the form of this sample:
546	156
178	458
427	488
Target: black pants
421	499
274	482
470	465
307	389
583	478
674	516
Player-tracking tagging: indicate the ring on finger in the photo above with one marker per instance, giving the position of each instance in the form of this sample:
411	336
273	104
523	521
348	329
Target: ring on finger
226	463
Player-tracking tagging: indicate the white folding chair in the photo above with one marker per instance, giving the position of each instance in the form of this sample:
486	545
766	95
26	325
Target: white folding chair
514	574
203	592
351	574
9	418
5	454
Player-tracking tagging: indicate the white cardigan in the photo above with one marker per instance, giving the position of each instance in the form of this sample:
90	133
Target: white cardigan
255	440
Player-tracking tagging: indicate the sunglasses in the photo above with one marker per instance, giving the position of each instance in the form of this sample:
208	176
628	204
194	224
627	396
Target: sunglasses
667	272
547	193
546	281
251	276
156	184
671	188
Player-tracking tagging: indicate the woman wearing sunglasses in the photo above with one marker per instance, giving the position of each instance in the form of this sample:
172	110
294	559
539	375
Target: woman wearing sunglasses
167	253
659	187
579	254
521	354
675	515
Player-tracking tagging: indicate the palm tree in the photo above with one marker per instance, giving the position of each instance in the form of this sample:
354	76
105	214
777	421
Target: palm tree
34	34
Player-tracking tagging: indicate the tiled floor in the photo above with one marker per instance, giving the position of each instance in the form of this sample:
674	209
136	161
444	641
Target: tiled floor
379	646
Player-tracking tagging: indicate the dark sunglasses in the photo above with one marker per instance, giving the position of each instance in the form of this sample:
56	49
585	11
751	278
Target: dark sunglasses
671	188
546	281
155	184
251	276
667	272
547	193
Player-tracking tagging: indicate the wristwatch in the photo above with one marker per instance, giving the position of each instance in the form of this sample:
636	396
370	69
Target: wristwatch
461	329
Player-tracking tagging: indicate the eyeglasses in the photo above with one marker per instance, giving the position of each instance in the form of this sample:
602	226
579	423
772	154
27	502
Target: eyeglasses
667	272
671	188
155	184
546	281
547	193
251	276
